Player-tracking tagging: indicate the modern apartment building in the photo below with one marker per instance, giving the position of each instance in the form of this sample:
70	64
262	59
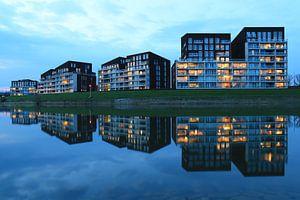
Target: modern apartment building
135	72
145	134
257	145
23	87
69	77
256	58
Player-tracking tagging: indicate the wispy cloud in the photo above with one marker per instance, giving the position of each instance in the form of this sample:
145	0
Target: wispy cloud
8	139
11	64
118	22
3	64
3	27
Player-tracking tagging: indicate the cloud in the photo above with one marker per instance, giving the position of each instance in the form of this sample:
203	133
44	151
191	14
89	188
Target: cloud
3	64
46	32
3	27
11	64
7	137
123	22
61	176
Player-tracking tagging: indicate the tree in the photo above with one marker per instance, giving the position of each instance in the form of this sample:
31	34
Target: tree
297	121
290	80
297	80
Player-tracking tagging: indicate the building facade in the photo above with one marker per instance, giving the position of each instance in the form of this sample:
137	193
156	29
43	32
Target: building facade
23	87
256	58
69	77
205	46
135	72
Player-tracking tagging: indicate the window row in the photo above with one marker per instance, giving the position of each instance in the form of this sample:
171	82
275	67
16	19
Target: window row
208	40
208	47
265	35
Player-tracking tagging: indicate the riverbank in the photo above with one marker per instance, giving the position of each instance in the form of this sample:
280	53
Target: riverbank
171	112
288	98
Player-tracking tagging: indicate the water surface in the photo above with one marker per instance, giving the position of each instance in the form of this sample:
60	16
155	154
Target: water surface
117	156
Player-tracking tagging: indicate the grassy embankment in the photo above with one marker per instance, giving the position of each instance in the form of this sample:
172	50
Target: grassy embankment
162	94
287	109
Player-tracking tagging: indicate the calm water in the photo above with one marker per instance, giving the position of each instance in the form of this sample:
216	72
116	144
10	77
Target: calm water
72	156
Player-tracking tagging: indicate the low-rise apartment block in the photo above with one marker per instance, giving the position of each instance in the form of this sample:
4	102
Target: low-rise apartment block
69	77
23	87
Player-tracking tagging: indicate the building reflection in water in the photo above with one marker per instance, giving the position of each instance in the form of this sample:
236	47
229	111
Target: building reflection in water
145	134
257	145
21	117
70	128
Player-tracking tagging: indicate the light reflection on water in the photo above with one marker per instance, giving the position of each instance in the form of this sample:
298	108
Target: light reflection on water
169	157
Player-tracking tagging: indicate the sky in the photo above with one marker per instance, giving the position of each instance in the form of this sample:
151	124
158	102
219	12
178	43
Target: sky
36	35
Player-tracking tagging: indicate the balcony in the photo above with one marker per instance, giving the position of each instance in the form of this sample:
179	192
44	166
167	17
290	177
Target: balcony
267	46
225	78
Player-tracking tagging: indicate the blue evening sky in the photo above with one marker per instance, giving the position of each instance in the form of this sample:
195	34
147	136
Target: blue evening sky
36	35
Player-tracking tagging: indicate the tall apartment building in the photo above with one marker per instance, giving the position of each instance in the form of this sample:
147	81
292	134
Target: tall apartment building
135	72
69	77
257	58
23	87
